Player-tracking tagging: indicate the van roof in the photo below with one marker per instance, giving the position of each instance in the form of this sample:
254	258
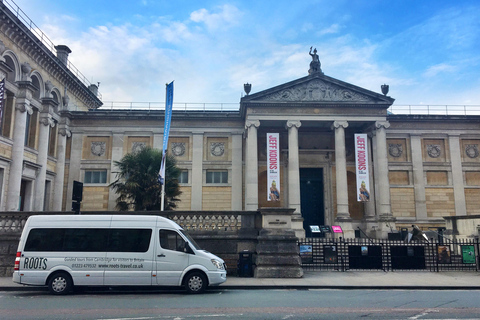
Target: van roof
99	218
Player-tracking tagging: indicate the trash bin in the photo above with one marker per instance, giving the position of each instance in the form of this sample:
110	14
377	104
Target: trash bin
245	264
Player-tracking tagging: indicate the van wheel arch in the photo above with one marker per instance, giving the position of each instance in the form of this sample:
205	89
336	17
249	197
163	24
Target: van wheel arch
195	281
60	282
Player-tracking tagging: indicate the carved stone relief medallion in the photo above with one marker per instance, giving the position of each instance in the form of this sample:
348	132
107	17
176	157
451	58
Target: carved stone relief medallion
434	150
98	148
217	149
471	150
395	150
178	149
138	146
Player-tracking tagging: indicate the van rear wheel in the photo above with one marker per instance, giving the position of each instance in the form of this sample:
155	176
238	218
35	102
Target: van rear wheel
195	282
60	283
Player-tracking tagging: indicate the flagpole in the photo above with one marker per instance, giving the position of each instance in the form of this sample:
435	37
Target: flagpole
166	129
164	162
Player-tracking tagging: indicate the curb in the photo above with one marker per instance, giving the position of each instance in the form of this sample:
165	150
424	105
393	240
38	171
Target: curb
251	287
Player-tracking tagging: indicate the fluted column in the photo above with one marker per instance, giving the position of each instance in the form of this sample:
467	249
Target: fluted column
293	166
341	170
22	107
251	166
46	122
382	166
63	134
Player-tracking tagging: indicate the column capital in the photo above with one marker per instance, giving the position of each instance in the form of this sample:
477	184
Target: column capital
337	124
47	120
380	124
24	106
65	132
249	123
293	123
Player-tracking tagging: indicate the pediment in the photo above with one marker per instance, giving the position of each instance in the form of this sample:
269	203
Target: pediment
320	89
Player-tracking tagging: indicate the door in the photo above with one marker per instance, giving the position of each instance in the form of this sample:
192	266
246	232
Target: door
311	199
171	259
129	256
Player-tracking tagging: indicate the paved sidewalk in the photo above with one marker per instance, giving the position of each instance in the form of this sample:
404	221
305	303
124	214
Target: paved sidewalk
337	280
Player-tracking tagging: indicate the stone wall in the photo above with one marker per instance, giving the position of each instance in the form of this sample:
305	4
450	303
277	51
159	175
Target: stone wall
225	234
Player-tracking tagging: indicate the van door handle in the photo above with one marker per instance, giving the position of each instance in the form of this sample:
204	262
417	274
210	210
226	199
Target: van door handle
160	255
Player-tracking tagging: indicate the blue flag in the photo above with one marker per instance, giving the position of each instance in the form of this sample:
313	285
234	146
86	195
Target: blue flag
166	130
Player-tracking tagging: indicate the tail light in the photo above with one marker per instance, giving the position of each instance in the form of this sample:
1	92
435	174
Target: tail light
17	261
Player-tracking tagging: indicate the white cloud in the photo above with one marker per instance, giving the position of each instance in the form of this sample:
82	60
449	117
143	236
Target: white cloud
226	16
334	28
439	68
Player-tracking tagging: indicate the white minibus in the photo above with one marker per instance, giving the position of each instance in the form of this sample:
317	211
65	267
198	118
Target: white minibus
63	251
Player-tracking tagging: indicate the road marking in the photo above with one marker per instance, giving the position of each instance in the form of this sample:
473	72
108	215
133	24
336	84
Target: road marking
177	317
423	314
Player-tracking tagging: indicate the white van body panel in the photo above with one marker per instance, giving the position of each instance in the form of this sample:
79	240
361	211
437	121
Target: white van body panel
155	266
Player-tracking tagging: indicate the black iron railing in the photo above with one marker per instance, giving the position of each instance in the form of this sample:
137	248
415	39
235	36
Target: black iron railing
321	254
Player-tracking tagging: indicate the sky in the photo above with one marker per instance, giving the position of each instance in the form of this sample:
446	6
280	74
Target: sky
427	51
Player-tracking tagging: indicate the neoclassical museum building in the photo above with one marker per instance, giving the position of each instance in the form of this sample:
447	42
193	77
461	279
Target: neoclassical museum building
54	131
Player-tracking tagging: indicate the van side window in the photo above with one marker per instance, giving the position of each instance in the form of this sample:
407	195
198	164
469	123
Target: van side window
129	240
171	240
88	240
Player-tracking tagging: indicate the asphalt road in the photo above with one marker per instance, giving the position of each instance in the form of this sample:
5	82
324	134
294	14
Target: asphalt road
244	304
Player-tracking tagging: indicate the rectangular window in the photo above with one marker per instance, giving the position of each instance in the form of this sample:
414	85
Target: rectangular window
217	176
31	129
52	141
88	240
96	176
183	178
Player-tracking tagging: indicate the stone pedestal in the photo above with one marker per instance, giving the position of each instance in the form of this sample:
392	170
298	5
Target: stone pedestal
277	249
347	227
385	225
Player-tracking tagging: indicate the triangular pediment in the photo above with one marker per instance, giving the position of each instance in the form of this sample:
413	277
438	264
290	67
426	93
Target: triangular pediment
318	89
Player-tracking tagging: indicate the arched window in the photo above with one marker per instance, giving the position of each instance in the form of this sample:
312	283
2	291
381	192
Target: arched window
36	83
11	64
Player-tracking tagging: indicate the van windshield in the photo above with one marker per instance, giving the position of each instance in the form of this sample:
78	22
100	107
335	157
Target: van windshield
190	239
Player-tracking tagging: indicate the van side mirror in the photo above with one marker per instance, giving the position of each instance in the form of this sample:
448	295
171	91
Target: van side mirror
188	249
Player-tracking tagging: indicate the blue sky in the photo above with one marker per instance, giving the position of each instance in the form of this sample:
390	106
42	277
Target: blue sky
427	51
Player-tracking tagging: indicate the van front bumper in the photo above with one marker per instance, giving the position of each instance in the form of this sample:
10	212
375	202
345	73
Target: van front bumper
217	278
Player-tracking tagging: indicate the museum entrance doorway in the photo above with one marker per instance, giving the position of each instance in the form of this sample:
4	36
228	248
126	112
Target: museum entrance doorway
311	198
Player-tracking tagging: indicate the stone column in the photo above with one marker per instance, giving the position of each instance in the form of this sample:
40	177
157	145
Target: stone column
293	166
46	122
341	171
22	107
457	175
197	171
386	221
382	164
418	177
251	166
237	170
63	134
370	205
117	155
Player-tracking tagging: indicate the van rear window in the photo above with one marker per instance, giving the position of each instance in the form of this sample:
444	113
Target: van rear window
88	240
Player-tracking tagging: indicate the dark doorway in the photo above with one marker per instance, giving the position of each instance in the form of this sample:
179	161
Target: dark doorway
311	199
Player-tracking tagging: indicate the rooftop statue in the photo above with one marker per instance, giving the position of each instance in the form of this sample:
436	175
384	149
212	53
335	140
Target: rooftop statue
315	64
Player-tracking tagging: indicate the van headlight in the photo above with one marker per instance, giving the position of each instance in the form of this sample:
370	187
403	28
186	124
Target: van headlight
217	264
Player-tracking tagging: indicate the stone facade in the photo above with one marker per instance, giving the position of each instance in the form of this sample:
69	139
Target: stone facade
422	167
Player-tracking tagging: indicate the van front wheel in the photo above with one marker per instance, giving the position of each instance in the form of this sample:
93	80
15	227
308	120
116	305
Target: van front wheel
60	283
195	282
